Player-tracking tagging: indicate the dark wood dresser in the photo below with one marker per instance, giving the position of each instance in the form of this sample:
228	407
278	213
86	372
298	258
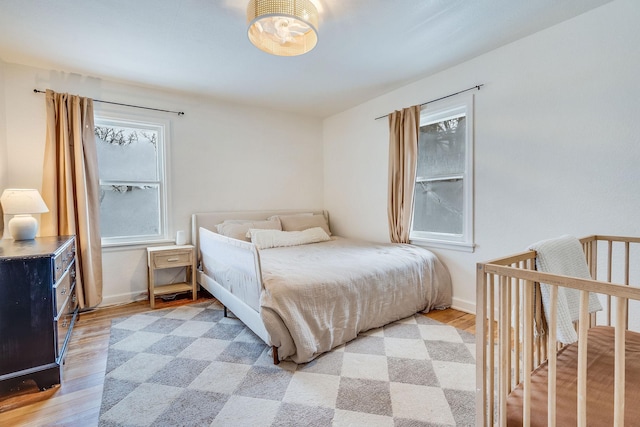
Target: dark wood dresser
38	308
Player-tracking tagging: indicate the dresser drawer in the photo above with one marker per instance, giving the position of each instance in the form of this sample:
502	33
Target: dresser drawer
64	259
65	320
175	258
62	290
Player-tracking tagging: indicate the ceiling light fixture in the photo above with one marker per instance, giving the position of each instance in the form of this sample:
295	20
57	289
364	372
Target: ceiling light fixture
283	27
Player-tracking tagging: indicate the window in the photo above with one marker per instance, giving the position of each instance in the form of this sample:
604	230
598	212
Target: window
133	190
443	198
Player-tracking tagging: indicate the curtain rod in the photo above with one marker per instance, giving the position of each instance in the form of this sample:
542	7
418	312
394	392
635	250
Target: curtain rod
180	113
442	97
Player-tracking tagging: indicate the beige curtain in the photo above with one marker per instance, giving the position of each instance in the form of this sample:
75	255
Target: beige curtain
404	126
70	188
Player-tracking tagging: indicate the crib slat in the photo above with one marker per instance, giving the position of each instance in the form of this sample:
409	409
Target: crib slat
509	326
540	338
593	258
516	329
482	344
619	370
582	359
626	280
609	264
626	263
505	349
552	357
492	337
593	263
538	321
528	352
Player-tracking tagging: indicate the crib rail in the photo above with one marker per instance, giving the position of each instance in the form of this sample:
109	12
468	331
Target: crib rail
514	338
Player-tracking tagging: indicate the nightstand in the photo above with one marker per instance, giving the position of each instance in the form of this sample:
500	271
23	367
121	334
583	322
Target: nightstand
159	257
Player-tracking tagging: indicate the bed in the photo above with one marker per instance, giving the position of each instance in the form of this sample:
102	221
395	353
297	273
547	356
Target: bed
306	299
528	372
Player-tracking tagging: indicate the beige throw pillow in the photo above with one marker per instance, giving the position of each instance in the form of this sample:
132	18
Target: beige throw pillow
304	222
238	229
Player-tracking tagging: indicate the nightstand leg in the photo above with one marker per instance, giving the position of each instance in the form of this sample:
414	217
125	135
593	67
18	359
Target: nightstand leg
152	298
192	278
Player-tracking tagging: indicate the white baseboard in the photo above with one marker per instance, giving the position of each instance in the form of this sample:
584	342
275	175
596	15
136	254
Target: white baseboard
464	305
121	299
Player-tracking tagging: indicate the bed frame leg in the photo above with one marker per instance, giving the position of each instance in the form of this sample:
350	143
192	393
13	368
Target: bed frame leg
225	310
276	360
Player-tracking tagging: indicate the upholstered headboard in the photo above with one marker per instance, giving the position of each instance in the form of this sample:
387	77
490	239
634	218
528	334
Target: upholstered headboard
209	220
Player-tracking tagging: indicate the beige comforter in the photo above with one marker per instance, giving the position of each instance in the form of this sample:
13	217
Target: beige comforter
321	295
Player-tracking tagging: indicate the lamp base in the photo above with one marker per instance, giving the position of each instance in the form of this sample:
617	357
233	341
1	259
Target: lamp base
23	227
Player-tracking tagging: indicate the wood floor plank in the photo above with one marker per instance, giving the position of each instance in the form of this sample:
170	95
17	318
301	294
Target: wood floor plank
76	401
458	319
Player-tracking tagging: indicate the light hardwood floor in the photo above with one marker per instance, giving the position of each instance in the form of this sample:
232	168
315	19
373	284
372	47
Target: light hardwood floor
76	402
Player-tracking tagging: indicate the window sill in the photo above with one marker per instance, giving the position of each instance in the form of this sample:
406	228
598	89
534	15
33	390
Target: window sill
119	246
442	244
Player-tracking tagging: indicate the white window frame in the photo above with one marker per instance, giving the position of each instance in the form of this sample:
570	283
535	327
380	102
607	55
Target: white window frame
433	113
125	117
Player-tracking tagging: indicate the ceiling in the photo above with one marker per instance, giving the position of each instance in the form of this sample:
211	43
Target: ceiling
365	49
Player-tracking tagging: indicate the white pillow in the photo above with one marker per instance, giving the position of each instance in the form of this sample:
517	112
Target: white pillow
264	239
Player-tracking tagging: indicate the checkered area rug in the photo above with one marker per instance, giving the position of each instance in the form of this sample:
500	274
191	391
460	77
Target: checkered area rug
190	366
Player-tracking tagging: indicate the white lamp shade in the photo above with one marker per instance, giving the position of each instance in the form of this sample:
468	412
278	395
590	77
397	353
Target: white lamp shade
21	203
17	201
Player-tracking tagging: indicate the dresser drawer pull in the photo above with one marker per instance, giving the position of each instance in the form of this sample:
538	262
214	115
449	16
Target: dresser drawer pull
173	259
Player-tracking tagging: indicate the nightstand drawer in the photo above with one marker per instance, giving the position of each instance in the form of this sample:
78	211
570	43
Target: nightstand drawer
181	256
175	258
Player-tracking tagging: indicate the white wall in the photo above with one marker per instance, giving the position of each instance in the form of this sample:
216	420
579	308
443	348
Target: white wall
557	142
3	144
222	156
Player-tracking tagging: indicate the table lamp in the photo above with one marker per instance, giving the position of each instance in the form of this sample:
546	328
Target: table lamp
22	203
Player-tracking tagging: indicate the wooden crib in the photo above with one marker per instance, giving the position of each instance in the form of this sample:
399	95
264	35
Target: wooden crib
525	376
